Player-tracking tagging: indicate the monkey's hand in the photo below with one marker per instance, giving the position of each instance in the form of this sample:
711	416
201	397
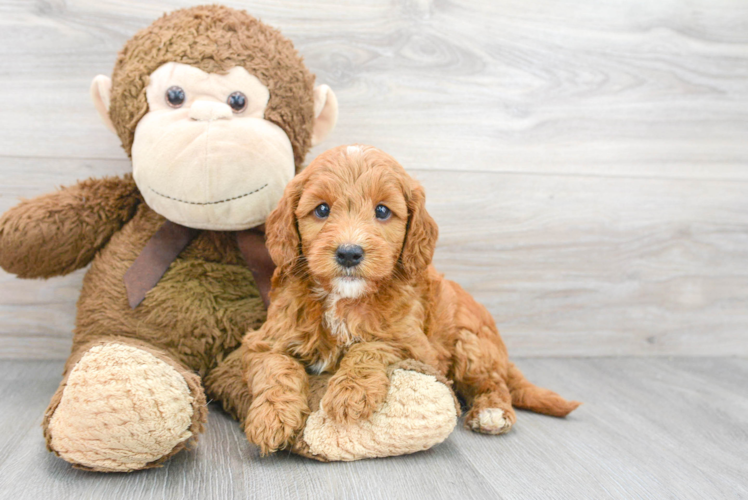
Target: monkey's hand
60	232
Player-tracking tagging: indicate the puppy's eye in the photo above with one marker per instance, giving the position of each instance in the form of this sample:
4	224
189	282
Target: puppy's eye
382	212
237	101
322	211
175	96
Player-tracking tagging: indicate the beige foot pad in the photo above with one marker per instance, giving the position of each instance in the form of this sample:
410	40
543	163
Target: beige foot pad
418	413
491	421
121	409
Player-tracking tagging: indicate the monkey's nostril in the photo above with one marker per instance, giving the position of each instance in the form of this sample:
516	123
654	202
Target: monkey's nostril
349	255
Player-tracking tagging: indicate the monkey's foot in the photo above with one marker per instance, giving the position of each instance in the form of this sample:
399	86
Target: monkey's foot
419	412
122	409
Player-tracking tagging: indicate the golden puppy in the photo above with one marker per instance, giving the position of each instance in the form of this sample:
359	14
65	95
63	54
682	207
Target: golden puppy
355	292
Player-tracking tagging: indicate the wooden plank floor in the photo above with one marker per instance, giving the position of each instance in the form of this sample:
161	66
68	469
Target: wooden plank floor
650	428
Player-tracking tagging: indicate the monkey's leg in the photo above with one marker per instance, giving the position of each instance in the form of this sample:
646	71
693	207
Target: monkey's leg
123	405
226	385
419	411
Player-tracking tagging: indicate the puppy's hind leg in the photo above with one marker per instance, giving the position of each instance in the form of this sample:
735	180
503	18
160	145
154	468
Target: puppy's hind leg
480	372
485	377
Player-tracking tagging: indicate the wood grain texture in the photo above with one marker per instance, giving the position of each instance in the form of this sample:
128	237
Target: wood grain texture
649	428
586	161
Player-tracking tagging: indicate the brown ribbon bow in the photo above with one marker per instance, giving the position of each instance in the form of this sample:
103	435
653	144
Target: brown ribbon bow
169	241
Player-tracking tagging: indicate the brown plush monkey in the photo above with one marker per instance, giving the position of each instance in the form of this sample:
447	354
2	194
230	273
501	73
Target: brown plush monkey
217	112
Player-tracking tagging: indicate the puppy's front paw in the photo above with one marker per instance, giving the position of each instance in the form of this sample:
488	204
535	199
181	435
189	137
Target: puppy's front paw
348	400
272	427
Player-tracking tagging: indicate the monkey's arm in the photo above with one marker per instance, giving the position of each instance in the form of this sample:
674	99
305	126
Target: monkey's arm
60	232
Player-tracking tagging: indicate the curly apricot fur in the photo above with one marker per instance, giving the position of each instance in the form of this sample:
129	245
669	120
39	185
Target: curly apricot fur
391	307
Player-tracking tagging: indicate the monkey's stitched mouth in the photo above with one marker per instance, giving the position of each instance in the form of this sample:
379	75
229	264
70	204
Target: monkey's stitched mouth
208	202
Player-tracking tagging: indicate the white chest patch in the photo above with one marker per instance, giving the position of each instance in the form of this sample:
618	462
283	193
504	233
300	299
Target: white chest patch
343	288
335	323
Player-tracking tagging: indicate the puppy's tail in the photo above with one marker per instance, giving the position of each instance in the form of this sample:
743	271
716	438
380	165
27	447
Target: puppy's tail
528	396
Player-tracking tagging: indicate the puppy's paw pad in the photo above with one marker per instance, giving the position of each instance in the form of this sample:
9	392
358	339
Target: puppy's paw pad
491	421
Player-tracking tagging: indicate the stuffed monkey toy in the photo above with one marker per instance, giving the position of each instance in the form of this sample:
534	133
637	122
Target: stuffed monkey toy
217	111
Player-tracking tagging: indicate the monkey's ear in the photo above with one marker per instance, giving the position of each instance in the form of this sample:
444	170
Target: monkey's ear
325	113
101	89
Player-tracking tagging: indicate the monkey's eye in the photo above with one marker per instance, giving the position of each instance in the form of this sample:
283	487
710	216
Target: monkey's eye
237	101
175	96
322	211
382	212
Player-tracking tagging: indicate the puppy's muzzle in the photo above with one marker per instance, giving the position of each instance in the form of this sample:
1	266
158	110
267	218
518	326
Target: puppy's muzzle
349	255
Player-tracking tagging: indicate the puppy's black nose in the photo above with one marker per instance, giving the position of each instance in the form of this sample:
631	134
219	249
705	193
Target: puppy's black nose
349	255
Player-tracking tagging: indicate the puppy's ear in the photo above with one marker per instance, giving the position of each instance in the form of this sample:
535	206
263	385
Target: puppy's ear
420	239
281	231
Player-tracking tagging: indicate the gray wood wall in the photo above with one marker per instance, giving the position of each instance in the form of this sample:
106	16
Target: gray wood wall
587	160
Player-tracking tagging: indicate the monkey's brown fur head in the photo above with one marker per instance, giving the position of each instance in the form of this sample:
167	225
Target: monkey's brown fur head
215	39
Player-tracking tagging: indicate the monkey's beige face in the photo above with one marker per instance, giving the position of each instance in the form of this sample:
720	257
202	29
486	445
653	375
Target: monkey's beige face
203	155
